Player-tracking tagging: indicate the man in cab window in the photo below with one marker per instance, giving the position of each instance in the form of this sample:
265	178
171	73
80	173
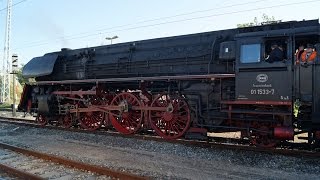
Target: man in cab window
276	53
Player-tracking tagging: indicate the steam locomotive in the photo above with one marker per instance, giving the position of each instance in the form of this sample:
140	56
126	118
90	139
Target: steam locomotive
184	86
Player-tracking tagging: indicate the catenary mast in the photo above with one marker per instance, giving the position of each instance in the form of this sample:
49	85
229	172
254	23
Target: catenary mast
5	74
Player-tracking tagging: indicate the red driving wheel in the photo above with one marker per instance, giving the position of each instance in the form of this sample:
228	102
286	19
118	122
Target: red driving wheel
126	121
173	122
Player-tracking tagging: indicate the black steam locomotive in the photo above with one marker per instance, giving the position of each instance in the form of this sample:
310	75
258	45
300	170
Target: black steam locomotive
185	85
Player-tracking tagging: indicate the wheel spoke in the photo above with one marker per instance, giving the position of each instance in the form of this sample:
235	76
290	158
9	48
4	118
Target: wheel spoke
91	121
67	121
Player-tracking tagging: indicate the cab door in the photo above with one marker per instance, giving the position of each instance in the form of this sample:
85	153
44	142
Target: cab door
307	78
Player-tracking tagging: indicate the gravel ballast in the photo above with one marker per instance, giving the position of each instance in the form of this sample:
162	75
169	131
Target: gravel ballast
160	159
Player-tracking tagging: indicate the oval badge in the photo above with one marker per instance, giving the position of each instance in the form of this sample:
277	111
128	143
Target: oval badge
262	78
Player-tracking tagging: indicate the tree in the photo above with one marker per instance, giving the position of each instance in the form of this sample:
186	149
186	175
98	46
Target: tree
21	79
265	20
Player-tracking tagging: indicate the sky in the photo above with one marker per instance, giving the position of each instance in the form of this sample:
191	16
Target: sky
40	26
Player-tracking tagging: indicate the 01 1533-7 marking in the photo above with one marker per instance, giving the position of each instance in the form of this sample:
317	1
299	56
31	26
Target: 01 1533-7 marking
264	91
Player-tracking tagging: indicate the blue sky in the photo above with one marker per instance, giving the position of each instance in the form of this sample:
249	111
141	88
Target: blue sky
40	26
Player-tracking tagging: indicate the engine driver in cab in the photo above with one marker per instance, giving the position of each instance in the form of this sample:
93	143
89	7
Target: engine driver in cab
276	54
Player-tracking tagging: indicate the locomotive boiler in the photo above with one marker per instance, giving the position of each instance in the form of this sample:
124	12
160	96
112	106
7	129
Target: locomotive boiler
184	86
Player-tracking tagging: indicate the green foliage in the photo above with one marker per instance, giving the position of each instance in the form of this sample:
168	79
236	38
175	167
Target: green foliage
265	20
21	79
5	106
296	107
18	88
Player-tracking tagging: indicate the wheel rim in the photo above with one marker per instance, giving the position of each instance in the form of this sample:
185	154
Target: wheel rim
42	120
91	120
173	122
67	121
127	121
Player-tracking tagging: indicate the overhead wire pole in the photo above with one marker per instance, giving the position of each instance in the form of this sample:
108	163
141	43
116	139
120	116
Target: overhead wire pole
5	87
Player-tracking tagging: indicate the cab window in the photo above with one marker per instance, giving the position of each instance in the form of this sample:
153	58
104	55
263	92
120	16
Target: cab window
250	53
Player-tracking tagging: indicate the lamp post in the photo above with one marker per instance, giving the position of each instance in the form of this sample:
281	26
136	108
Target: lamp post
111	38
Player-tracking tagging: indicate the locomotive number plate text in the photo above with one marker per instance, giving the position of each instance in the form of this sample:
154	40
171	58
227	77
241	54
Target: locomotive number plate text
262	91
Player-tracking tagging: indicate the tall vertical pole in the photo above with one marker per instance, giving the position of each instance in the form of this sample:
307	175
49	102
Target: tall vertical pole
14	95
14	72
5	87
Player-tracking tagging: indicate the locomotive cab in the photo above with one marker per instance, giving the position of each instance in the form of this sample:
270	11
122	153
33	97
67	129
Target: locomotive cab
260	81
263	90
270	92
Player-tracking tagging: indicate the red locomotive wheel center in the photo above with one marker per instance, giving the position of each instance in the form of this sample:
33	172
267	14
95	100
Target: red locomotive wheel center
167	116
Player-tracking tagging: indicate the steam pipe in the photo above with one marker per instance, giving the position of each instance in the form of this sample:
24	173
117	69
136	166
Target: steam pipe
212	53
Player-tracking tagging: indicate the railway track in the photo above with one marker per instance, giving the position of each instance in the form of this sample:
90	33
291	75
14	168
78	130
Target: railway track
210	143
27	164
13	173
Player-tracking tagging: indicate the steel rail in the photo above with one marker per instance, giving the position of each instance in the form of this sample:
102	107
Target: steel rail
18	173
74	164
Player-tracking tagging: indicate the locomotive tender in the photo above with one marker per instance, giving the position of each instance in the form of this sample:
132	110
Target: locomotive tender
185	85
